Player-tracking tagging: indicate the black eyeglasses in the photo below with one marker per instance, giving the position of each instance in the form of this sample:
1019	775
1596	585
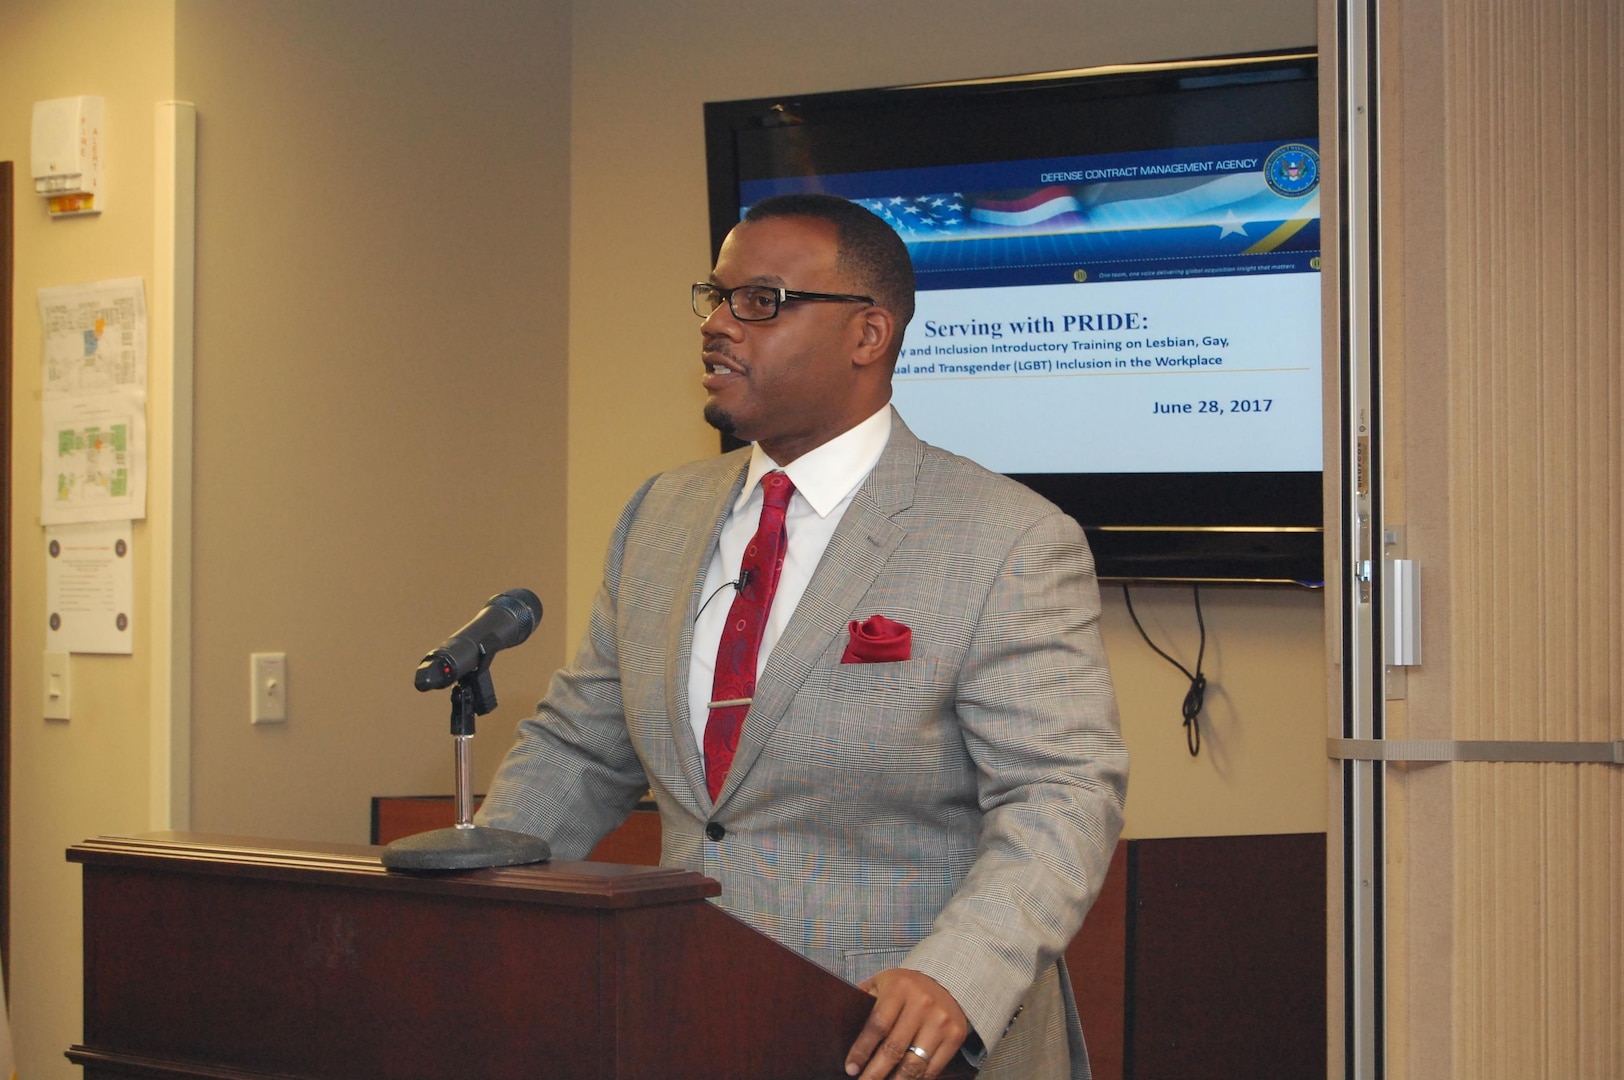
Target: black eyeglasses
758	303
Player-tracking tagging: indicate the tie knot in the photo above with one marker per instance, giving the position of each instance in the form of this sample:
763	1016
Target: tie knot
776	488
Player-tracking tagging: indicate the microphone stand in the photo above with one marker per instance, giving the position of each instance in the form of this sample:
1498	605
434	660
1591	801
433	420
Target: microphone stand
466	846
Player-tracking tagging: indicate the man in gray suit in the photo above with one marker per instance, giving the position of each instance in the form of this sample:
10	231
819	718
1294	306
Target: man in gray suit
878	712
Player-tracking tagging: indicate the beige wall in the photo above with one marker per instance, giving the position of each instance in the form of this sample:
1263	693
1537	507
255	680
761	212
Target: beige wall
380	427
380	386
641	75
88	775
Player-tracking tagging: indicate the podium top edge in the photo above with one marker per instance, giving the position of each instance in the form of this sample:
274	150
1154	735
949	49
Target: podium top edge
565	884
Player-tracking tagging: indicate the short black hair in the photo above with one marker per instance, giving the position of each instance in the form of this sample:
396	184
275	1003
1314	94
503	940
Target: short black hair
868	249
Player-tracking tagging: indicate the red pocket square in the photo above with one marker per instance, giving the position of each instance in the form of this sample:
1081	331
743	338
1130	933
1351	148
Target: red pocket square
877	640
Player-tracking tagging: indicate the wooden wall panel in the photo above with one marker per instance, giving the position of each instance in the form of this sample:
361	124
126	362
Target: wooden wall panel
1226	974
1501	128
1533	201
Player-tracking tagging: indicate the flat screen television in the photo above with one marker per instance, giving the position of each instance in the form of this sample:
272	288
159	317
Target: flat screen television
1118	288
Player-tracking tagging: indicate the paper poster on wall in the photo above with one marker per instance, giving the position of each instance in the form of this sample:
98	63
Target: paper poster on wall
95	337
93	465
89	586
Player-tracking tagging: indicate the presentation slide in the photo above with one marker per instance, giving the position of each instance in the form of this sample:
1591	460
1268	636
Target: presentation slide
1198	375
1147	312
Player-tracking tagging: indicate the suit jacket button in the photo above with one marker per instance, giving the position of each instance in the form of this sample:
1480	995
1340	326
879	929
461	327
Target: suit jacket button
715	831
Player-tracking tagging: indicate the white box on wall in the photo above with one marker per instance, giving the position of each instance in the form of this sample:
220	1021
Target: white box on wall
66	153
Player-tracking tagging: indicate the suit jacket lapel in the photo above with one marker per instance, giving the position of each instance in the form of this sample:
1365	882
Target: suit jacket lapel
858	551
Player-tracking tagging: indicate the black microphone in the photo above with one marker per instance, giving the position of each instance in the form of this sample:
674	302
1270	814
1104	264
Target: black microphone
505	621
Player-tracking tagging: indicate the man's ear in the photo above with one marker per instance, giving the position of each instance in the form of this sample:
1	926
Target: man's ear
878	340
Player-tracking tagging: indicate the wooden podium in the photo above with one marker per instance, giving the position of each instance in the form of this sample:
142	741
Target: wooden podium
216	958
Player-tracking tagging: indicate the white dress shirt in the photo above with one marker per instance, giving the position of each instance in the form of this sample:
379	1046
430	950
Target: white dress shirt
825	480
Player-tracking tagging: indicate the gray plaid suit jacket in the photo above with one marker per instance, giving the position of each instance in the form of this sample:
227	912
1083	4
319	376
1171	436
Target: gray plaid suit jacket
953	813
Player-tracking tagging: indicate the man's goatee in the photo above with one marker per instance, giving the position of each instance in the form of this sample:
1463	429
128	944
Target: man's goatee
719	418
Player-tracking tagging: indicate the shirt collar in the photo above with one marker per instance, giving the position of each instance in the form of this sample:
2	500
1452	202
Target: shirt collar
826	475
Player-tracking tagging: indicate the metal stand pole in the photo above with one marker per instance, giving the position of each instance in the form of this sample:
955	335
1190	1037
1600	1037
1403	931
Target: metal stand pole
466	846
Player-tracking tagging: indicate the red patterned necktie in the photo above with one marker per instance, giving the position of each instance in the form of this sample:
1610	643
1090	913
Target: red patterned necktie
735	682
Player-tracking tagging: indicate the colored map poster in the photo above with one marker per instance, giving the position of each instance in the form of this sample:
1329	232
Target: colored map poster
93	461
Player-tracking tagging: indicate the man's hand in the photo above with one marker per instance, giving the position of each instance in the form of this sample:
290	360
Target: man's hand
912	1012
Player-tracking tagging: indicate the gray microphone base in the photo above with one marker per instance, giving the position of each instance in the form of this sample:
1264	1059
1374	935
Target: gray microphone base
465	847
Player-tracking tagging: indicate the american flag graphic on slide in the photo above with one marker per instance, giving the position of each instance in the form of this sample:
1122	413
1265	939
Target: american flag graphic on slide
1050	206
954	215
921	215
1161	226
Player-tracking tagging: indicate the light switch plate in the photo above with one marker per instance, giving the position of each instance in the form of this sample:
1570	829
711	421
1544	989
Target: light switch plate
58	687
268	679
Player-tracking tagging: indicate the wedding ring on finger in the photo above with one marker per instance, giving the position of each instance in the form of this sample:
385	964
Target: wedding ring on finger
920	1053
